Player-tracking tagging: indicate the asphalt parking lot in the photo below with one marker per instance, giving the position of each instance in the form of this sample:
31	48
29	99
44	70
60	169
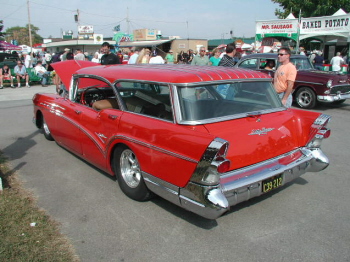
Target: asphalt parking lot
24	93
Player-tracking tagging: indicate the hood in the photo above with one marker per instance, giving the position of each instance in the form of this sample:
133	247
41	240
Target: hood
259	138
316	76
66	69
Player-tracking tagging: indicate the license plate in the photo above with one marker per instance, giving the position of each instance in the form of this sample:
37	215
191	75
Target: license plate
271	183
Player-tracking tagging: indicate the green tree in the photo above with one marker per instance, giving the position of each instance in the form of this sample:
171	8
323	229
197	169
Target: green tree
2	35
310	8
21	34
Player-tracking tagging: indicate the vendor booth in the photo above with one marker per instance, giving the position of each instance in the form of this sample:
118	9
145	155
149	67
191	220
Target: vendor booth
332	32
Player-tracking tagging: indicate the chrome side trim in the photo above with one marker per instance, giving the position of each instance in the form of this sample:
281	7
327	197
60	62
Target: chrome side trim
226	118
162	150
51	107
312	83
162	188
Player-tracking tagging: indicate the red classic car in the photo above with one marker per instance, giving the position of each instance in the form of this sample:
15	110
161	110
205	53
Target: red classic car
311	85
204	138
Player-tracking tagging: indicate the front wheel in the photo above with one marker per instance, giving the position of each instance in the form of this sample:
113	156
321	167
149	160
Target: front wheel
46	130
305	98
128	172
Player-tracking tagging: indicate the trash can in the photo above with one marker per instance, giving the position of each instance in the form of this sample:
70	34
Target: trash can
344	69
327	67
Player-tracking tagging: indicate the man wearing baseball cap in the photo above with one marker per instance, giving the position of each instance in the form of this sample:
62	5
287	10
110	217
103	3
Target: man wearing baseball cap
64	55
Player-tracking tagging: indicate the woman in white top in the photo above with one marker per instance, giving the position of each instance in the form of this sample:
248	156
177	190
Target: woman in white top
95	59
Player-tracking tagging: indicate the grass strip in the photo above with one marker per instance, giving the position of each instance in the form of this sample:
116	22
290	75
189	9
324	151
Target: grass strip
26	232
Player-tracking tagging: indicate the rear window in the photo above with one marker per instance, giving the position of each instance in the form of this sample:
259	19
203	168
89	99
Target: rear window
222	100
302	64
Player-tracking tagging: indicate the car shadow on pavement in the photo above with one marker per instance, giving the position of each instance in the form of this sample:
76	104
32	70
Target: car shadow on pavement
211	223
184	214
273	193
17	150
20	147
326	106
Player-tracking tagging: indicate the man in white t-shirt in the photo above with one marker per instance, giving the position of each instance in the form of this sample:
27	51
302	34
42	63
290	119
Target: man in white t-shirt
133	57
42	72
27	60
336	62
79	55
156	59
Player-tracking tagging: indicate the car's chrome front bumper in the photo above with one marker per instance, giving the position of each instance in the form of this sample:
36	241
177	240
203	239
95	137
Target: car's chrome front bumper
238	185
333	98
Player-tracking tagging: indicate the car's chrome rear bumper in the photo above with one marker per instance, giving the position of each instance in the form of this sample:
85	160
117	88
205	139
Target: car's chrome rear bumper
238	185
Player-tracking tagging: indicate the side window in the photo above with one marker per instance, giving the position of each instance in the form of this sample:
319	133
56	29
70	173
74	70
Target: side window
249	63
267	64
149	99
93	93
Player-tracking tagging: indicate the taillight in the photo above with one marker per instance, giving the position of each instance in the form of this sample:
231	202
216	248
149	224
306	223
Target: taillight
322	132
212	163
222	151
224	166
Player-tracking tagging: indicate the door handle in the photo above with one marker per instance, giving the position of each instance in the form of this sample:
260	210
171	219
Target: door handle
77	112
113	117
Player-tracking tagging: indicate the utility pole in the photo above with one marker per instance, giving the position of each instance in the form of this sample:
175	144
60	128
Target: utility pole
30	29
78	17
127	20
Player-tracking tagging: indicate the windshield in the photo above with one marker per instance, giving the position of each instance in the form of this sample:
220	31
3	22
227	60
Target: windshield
221	100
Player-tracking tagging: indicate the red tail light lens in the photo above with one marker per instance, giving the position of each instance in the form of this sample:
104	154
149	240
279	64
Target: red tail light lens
325	132
222	151
224	166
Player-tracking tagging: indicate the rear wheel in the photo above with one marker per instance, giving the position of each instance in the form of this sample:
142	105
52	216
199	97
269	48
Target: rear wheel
46	130
128	172
305	98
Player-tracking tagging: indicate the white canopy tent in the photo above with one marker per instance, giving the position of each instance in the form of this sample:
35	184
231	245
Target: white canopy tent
326	28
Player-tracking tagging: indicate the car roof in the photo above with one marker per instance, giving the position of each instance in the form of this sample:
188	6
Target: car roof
170	73
272	56
8	56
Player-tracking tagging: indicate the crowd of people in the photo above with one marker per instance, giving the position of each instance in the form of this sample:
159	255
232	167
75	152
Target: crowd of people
283	80
317	59
202	57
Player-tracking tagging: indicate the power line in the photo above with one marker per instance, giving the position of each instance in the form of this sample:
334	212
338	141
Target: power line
13	12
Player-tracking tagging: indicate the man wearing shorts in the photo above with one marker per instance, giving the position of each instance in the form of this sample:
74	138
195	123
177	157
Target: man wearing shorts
285	77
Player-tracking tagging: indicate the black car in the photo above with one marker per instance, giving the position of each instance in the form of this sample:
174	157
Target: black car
311	85
8	59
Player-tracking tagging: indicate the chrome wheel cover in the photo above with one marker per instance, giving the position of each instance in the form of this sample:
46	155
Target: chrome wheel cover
304	98
46	128
130	168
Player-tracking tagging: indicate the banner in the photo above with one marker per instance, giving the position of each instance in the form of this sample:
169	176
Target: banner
282	27
326	25
85	29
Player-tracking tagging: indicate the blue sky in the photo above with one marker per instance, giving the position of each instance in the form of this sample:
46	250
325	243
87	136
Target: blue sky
192	18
